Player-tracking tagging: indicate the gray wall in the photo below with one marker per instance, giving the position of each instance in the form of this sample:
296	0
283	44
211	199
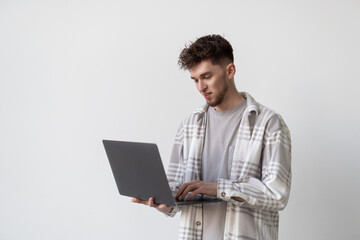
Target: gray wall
75	72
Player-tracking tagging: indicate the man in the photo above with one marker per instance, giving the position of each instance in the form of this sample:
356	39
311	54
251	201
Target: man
232	148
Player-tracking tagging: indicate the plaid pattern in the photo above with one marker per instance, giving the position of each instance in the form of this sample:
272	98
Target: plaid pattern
260	173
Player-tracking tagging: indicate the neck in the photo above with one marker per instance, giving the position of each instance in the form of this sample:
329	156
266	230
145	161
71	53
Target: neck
231	99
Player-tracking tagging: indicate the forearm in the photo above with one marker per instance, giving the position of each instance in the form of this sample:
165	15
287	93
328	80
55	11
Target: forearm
253	193
269	190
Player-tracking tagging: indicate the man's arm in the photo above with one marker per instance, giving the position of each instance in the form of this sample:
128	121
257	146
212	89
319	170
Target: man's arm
200	187
271	192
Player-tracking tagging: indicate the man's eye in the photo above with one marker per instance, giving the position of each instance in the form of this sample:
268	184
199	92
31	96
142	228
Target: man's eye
207	76
196	81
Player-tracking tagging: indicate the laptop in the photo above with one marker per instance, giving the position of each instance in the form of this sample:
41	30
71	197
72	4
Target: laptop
139	173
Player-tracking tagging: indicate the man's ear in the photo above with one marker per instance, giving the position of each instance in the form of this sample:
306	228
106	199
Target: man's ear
230	70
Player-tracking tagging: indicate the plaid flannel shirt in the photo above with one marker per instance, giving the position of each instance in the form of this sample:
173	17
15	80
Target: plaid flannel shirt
260	174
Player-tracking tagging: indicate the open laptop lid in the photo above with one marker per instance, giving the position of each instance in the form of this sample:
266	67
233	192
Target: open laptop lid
138	170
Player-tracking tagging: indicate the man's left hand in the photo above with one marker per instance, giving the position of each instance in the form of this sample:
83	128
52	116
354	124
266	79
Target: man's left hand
197	187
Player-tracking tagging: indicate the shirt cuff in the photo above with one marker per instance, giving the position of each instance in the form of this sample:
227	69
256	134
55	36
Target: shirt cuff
173	212
225	192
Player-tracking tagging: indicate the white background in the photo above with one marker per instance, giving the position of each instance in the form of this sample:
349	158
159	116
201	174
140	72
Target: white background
75	72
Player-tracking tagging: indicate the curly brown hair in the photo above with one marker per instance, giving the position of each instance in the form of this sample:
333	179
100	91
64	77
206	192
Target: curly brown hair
213	47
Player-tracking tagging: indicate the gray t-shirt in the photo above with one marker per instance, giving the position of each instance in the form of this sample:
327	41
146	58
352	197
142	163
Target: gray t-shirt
220	139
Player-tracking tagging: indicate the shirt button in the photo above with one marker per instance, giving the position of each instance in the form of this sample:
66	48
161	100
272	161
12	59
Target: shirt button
198	223
223	194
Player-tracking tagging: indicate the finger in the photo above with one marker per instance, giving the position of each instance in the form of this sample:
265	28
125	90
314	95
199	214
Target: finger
162	206
181	189
152	203
197	191
136	200
189	188
184	186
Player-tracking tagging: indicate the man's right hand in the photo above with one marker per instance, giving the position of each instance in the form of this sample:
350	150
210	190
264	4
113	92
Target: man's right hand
151	203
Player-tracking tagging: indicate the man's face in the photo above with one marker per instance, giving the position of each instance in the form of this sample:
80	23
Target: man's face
211	81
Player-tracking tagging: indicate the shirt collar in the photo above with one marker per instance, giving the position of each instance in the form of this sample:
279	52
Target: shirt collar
252	105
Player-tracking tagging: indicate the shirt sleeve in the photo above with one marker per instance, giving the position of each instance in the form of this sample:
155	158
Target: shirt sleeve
271	191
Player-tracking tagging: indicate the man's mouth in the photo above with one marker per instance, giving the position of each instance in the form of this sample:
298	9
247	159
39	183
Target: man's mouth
207	95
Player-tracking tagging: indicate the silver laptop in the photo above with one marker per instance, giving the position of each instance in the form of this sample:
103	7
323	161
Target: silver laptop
139	173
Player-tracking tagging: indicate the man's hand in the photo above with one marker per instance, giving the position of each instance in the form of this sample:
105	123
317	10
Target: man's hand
197	187
151	203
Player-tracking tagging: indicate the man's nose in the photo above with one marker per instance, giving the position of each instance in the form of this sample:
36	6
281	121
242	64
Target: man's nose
202	86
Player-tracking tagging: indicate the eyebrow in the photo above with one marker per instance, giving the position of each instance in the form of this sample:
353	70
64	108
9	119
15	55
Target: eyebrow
202	75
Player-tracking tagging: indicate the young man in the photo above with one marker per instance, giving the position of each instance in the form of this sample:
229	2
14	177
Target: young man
232	148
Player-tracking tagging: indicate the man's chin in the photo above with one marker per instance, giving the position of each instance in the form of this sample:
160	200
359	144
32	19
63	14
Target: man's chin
212	104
